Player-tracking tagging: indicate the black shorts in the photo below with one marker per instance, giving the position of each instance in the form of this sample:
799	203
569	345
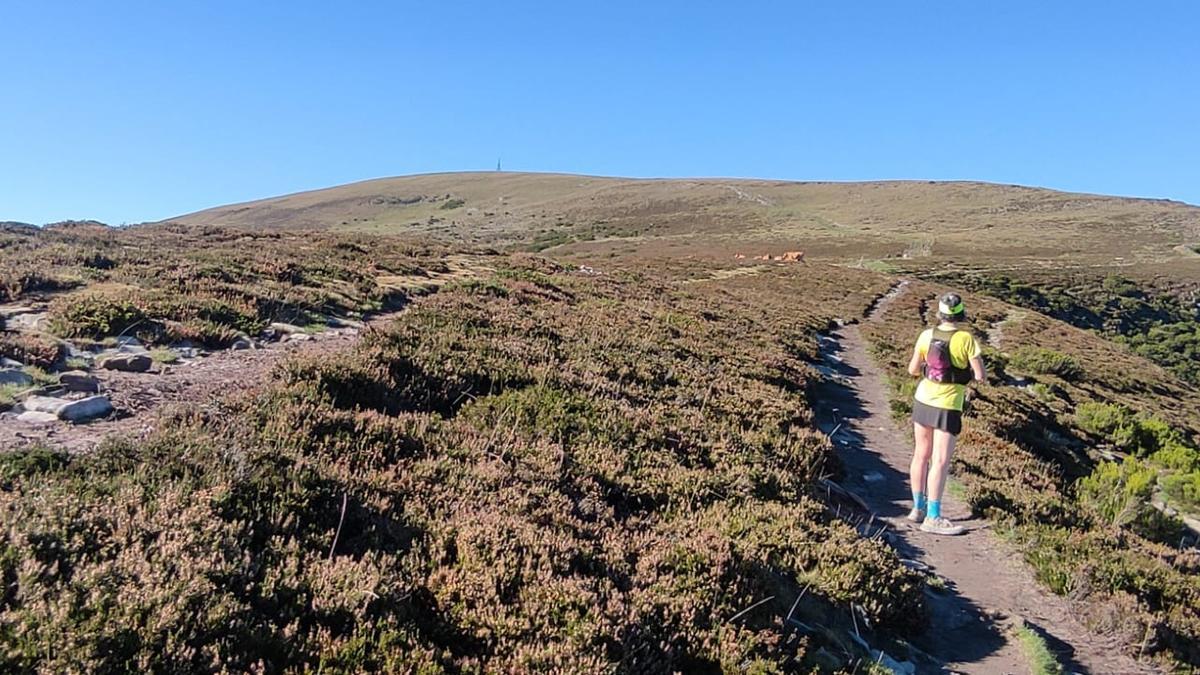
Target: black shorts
937	418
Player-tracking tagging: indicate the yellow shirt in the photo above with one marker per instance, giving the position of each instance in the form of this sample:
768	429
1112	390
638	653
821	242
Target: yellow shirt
945	395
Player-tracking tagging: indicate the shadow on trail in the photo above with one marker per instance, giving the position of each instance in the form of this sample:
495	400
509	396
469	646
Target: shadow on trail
959	631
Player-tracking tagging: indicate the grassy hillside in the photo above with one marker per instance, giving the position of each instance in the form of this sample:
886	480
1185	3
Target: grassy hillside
718	217
536	470
601	457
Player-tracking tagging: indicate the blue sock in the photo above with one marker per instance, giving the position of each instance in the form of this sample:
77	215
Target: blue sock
935	508
919	501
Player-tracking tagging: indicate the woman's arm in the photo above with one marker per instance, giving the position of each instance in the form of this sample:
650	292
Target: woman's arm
914	365
977	369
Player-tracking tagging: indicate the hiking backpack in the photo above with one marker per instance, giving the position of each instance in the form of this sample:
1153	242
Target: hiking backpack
939	367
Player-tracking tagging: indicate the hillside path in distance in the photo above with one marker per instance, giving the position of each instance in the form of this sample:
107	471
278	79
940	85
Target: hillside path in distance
988	588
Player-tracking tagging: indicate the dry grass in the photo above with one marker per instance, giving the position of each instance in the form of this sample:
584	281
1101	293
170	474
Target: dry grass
596	217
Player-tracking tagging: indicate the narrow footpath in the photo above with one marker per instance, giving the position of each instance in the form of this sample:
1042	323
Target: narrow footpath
989	591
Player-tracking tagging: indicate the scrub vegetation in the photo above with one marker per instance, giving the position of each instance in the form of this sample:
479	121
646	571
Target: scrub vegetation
207	285
605	462
540	470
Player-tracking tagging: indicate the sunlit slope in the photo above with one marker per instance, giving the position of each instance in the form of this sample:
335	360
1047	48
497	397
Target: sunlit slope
721	217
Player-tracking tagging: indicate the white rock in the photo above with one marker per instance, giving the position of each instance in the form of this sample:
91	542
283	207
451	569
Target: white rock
37	418
133	363
46	404
15	376
77	380
85	409
286	328
9	363
299	337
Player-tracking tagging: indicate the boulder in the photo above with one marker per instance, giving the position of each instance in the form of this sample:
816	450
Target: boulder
37	418
85	409
77	380
45	404
345	322
6	362
130	363
285	328
15	376
299	337
132	349
242	343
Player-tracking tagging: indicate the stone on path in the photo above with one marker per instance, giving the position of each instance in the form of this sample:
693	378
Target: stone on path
37	418
131	363
77	380
85	409
285	328
76	410
15	376
45	404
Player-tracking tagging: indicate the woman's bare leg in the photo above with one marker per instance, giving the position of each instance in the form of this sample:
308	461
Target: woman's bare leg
922	451
939	465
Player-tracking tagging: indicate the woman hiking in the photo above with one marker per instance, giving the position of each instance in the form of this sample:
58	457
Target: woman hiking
946	358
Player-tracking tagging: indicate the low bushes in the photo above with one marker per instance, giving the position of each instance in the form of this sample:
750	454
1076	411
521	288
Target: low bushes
165	282
574	475
1042	361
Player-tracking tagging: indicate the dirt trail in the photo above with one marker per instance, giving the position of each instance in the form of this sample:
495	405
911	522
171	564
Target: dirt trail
989	589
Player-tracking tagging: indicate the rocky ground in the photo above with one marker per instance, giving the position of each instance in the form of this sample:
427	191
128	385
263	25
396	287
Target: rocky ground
120	386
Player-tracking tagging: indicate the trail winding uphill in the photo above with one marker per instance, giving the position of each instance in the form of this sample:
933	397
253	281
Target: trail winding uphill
989	592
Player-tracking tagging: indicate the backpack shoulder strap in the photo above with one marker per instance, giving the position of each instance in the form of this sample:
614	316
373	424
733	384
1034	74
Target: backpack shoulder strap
944	335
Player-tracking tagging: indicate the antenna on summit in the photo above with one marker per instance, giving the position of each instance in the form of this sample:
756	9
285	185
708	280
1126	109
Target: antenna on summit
497	163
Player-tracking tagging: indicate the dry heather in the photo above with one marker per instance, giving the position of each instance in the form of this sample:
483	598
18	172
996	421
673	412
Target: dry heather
542	470
169	283
1032	456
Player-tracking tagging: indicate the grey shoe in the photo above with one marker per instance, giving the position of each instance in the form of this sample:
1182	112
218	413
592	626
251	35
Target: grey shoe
941	525
916	515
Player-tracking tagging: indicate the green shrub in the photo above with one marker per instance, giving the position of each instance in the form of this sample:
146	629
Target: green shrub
1177	457
903	388
1142	435
164	356
1042	661
94	315
1044	392
1042	361
1184	489
1119	493
450	204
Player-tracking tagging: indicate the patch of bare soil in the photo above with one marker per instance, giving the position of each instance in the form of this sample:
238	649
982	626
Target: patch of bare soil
988	589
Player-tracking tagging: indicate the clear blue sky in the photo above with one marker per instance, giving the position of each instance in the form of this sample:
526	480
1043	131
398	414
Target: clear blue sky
133	111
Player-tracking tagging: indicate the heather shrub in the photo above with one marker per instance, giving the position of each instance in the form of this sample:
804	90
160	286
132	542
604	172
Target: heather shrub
569	475
1042	361
92	314
32	349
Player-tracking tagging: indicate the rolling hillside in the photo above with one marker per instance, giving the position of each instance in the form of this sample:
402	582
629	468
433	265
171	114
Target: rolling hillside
371	432
722	217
